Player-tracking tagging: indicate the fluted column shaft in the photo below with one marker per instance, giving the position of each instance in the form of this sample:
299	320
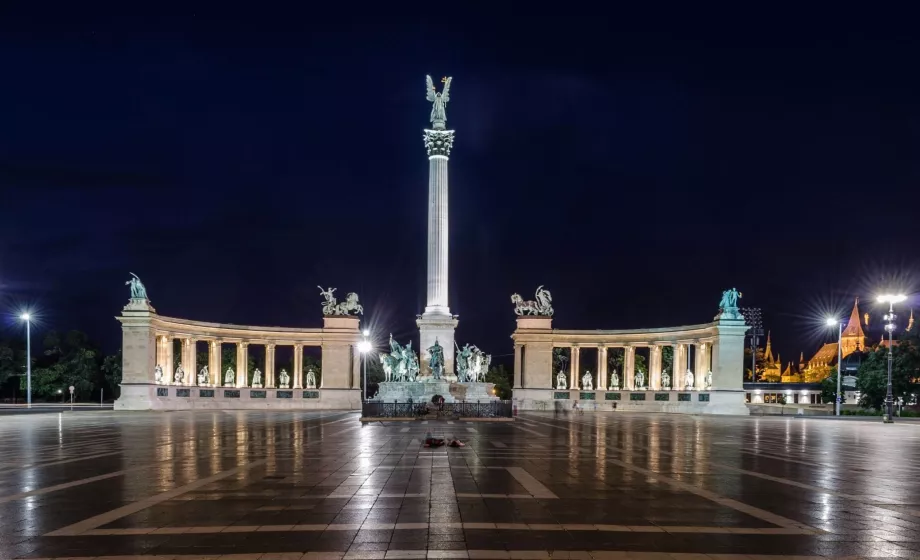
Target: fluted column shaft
214	346
298	366
437	234
654	367
629	367
168	371
242	363
573	368
269	366
188	360
601	367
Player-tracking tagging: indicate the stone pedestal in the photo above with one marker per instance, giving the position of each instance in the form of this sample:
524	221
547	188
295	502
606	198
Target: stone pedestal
139	351
424	391
438	327
536	358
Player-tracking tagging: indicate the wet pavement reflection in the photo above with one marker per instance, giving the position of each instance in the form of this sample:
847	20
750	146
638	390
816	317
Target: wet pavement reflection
324	486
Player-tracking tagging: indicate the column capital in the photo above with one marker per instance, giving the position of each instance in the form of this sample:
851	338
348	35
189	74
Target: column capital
438	142
601	346
270	345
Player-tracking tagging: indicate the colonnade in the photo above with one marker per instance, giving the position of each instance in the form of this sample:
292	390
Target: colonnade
188	359
681	350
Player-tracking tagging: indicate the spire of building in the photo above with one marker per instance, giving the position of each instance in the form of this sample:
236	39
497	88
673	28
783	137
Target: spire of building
768	353
788	371
910	322
853	336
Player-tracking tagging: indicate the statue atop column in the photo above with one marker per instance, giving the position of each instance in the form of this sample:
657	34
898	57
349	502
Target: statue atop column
560	380
728	306
438	101
436	360
542	305
350	306
138	291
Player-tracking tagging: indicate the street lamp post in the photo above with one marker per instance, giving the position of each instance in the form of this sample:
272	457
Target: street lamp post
754	318
364	347
831	322
25	317
889	326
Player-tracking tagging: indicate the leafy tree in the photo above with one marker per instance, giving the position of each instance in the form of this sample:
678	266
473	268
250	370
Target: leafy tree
111	369
667	359
761	364
71	361
561	358
641	365
615	361
12	359
502	378
829	388
872	377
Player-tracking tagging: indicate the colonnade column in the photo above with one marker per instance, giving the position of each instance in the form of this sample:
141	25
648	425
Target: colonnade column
188	360
629	368
270	366
601	367
679	361
168	361
298	366
162	341
242	364
517	366
215	361
654	367
573	368
703	366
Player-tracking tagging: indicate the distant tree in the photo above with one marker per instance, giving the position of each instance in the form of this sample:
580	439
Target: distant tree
561	357
502	378
872	377
667	359
615	361
761	364
317	366
829	388
642	366
111	369
65	362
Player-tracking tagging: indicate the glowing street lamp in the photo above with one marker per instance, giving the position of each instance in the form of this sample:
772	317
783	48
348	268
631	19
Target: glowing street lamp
890	299
831	321
27	318
364	347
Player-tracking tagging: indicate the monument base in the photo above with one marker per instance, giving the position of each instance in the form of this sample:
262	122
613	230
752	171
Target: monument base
675	402
424	391
177	397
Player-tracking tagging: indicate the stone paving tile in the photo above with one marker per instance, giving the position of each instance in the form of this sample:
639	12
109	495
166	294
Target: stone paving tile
593	486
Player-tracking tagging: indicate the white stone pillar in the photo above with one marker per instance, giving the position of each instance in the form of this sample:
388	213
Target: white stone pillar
517	365
188	360
242	364
270	366
601	367
654	367
573	370
298	366
139	356
704	352
679	360
214	363
168	371
629	368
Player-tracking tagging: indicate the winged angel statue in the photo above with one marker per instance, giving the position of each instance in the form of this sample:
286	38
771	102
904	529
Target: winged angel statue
438	100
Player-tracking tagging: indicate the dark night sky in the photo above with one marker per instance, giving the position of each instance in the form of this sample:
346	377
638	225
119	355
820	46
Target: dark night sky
236	159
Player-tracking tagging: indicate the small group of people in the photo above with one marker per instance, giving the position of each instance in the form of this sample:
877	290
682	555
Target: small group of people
431	441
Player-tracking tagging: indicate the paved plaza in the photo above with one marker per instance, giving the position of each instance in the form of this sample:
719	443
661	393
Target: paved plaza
250	485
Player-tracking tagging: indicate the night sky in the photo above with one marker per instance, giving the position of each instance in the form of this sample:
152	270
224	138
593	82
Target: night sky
236	159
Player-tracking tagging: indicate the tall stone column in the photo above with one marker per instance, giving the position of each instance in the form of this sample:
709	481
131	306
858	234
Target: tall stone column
680	367
188	360
629	368
437	322
654	367
573	368
518	348
727	394
298	366
704	359
242	364
601	367
270	366
214	363
168	359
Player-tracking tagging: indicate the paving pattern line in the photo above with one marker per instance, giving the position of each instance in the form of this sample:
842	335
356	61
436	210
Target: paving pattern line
531	484
109	516
478	554
376	526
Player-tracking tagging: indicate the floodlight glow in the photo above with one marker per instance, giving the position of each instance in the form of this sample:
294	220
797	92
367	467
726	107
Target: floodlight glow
831	322
24	316
366	332
891	298
364	346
